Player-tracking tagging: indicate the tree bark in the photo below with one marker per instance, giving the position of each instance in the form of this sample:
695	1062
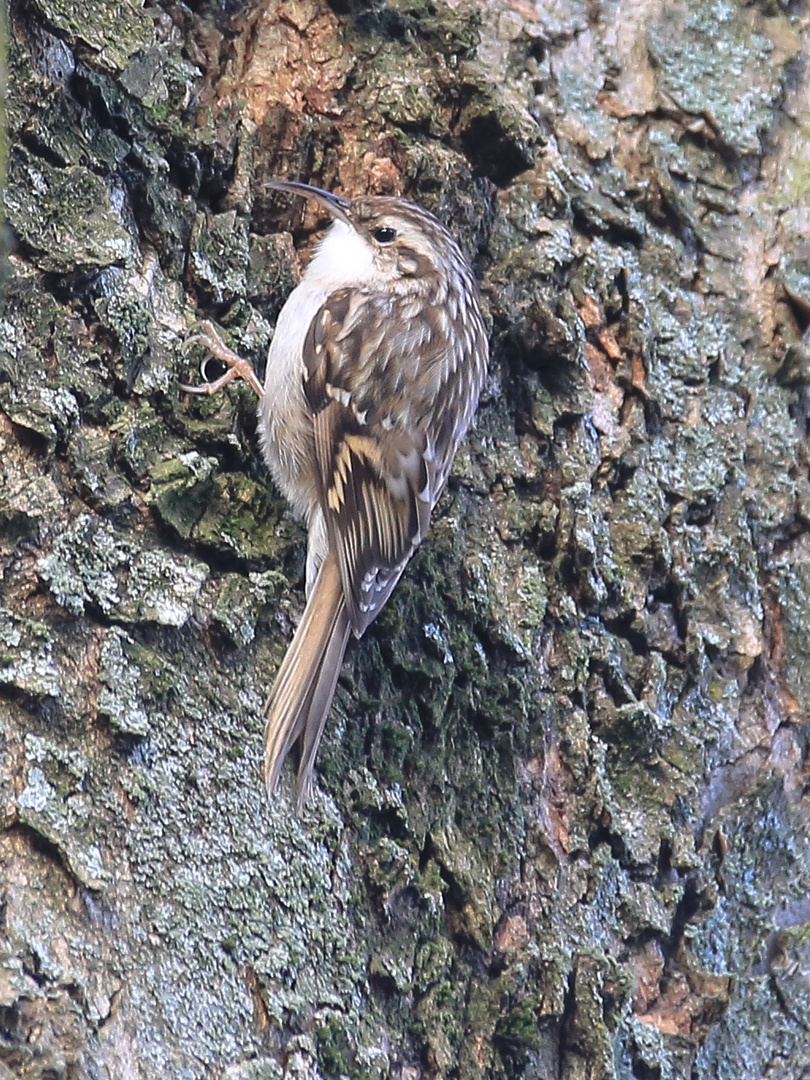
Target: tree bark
560	824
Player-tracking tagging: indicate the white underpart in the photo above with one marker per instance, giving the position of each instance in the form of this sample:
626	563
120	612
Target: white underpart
285	432
343	258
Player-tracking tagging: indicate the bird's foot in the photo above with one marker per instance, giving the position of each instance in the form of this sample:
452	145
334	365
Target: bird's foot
208	336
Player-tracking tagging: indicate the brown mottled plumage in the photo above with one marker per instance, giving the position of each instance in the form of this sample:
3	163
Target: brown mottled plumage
372	380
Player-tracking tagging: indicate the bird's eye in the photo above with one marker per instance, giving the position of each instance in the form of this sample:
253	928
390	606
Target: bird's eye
385	235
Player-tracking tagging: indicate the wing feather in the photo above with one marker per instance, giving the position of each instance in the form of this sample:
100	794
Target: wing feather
376	370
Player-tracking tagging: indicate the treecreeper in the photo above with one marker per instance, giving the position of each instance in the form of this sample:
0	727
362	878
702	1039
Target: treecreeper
373	377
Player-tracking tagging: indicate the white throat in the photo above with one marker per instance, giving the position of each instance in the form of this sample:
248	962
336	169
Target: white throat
342	258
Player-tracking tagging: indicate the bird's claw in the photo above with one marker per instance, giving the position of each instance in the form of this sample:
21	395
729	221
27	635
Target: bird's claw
210	339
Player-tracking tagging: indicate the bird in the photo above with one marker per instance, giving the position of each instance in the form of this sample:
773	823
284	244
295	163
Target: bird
372	380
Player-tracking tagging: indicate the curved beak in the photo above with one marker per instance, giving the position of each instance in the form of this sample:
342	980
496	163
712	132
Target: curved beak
336	205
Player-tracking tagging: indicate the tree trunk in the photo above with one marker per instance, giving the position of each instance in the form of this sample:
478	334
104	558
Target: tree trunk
559	826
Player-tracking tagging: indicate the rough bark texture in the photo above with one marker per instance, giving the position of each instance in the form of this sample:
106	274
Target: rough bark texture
560	827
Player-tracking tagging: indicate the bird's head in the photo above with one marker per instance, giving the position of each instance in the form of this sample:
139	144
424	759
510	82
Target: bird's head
378	240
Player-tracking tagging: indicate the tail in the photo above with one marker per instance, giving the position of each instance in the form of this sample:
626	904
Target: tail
302	693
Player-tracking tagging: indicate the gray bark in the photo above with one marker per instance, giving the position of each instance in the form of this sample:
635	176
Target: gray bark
560	826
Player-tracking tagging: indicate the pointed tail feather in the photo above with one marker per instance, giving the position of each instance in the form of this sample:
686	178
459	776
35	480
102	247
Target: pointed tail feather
302	693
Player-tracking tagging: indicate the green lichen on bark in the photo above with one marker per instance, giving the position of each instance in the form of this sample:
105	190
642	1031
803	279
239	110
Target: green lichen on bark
71	223
114	35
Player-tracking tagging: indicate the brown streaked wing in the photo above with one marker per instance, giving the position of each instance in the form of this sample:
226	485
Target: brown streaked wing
320	332
371	473
372	532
